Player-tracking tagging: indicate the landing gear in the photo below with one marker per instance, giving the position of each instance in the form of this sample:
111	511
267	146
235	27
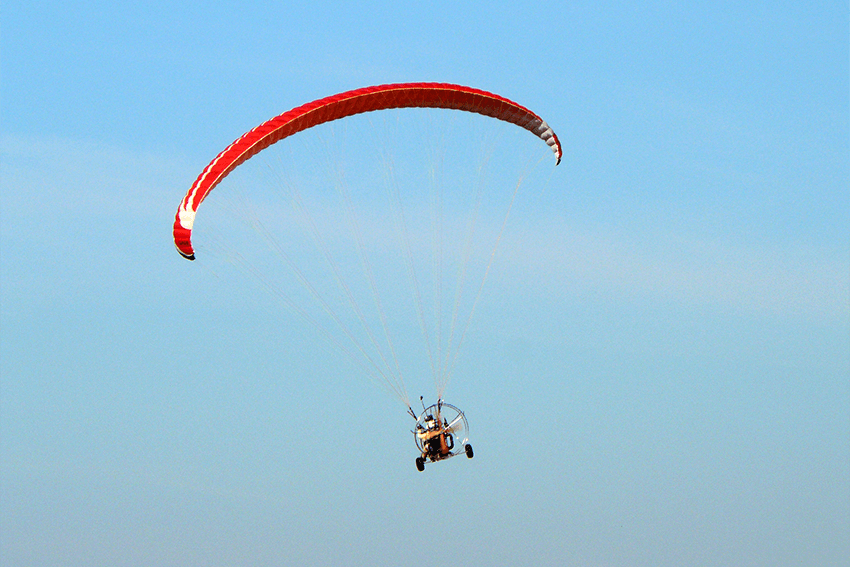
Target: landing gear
468	449
420	464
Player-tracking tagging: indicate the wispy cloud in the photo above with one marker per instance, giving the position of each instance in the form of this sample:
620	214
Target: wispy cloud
730	273
55	189
52	187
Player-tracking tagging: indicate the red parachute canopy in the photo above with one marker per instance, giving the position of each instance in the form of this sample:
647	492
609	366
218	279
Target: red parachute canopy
382	97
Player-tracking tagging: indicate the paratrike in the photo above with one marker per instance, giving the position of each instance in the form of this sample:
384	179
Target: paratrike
441	433
342	262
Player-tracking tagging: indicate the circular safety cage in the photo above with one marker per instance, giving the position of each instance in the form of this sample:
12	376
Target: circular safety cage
441	432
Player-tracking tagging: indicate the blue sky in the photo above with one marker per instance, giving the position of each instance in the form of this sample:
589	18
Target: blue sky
667	344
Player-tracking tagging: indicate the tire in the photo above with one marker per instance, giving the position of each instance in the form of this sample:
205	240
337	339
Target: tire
420	464
468	449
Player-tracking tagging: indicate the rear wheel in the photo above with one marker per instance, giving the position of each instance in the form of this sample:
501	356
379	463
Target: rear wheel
468	449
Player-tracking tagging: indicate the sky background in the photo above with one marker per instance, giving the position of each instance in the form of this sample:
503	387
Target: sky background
661	375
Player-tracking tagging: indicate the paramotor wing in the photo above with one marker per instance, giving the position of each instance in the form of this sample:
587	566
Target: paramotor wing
382	97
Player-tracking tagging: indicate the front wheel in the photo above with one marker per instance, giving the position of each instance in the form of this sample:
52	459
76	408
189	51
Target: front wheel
468	449
420	464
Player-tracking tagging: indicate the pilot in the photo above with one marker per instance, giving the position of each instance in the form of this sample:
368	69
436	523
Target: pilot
436	441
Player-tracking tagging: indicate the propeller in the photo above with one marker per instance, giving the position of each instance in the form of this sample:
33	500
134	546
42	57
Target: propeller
456	424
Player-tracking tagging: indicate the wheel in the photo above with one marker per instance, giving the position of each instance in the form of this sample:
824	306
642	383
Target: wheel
420	464
468	449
